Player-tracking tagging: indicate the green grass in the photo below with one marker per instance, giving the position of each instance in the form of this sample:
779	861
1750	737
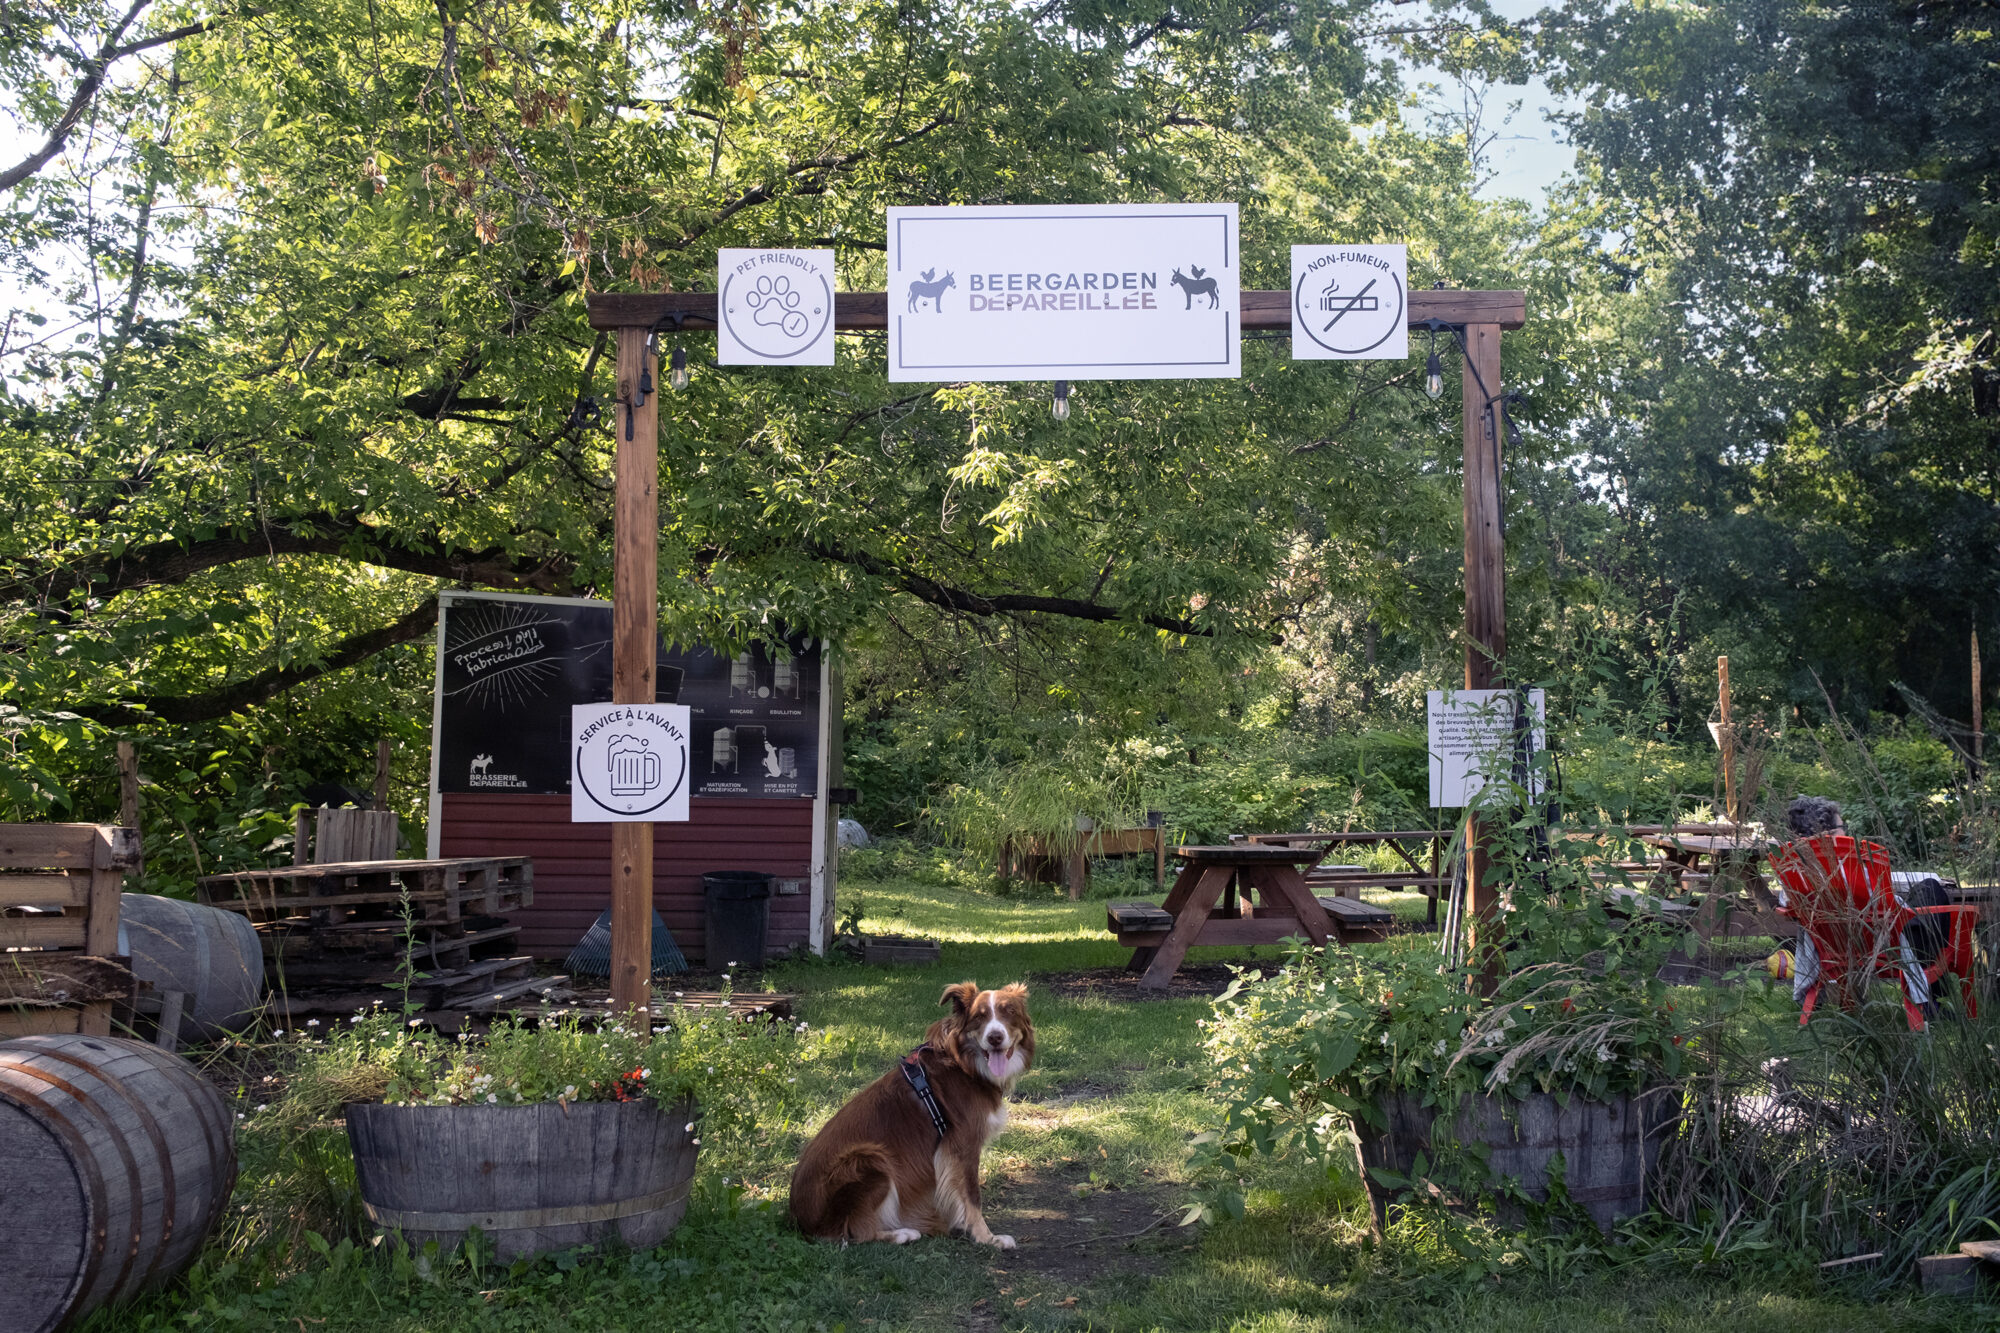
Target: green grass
1099	1131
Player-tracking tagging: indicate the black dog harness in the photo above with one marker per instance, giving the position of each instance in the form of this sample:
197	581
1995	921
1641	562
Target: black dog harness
913	1074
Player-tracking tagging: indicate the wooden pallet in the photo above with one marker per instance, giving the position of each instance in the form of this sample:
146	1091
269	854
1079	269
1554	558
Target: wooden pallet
59	887
445	890
483	987
375	958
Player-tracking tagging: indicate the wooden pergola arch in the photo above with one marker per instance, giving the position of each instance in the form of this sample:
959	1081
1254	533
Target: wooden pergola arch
1478	317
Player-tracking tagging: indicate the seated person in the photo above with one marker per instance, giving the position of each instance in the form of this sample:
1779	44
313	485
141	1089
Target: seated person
1923	940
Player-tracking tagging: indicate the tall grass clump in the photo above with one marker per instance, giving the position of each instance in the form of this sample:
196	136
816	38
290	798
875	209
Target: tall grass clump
1849	1136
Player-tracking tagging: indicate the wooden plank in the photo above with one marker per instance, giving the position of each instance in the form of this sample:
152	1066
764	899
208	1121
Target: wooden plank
62	977
44	890
1260	309
1353	913
1136	917
270	874
41	932
34	1022
48	846
100	935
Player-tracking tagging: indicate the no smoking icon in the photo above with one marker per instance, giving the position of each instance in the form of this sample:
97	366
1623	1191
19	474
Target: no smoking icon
1348	303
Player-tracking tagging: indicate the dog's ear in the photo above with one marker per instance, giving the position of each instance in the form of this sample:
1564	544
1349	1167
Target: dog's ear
1014	990
960	997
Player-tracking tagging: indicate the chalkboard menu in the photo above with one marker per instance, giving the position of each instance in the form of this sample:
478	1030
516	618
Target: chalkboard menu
509	667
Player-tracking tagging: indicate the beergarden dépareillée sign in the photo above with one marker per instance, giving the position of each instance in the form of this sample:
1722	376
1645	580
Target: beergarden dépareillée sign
1102	291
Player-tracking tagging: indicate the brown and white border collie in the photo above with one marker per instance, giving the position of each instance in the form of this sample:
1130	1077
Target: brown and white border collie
880	1170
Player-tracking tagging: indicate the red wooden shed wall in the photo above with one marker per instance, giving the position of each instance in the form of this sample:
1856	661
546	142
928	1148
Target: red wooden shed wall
573	862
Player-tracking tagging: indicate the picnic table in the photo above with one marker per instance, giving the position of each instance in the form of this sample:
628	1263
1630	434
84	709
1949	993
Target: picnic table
1348	881
1195	911
1738	899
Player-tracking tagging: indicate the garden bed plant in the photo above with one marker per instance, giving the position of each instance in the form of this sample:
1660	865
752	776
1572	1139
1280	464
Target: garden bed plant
1311	1058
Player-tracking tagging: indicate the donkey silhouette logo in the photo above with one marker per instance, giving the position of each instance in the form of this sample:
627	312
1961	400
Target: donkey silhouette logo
931	288
1197	286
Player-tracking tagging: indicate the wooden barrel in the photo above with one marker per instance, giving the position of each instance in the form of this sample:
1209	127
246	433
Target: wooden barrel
1606	1147
210	955
531	1178
116	1159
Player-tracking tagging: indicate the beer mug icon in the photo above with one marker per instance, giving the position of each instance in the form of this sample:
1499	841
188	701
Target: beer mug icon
635	770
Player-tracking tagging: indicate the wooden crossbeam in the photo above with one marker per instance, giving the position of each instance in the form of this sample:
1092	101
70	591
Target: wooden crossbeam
855	311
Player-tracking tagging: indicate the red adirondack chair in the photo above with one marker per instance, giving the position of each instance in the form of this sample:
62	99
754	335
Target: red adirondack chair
1839	891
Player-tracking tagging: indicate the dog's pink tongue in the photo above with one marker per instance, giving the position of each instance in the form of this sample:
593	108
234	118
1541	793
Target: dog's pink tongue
996	1065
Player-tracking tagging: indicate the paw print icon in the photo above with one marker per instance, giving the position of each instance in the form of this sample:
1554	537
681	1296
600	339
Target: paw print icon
775	303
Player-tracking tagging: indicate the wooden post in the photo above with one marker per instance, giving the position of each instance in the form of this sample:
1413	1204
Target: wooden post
1485	597
382	749
1978	711
634	650
128	789
302	838
1726	735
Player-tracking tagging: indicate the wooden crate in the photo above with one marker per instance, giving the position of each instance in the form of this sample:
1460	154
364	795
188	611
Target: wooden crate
59	887
893	949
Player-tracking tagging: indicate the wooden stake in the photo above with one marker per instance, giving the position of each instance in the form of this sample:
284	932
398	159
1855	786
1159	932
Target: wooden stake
634	651
128	794
1727	736
1485	599
382	749
1978	711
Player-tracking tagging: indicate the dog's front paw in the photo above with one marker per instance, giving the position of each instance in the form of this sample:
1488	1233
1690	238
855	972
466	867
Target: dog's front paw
1002	1242
904	1235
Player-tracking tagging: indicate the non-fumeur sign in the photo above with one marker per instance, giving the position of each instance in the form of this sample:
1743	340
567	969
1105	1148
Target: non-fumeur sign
628	763
774	307
1349	302
1097	291
1472	740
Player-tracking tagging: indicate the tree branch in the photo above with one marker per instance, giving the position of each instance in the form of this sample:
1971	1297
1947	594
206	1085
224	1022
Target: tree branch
170	562
220	702
999	604
79	102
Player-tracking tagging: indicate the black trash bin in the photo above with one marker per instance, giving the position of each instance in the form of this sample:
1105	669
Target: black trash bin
738	906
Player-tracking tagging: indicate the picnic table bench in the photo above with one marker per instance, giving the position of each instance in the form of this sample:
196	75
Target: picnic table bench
1196	911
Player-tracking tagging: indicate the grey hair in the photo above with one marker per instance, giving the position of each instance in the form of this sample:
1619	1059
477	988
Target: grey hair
1811	815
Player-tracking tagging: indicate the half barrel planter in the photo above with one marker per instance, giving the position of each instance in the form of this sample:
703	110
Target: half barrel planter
1607	1147
532	1178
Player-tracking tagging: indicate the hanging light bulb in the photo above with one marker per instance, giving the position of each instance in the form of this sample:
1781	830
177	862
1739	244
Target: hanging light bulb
678	376
1433	373
1059	406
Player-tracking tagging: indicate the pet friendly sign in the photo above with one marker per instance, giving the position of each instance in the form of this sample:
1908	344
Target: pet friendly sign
628	763
1097	291
1348	302
774	307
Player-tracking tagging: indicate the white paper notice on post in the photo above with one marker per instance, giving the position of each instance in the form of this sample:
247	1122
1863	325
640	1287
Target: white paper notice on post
774	307
1350	302
1064	292
628	763
1472	740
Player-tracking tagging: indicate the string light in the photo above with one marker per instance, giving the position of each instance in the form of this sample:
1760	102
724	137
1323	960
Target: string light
1059	406
677	375
1433	371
